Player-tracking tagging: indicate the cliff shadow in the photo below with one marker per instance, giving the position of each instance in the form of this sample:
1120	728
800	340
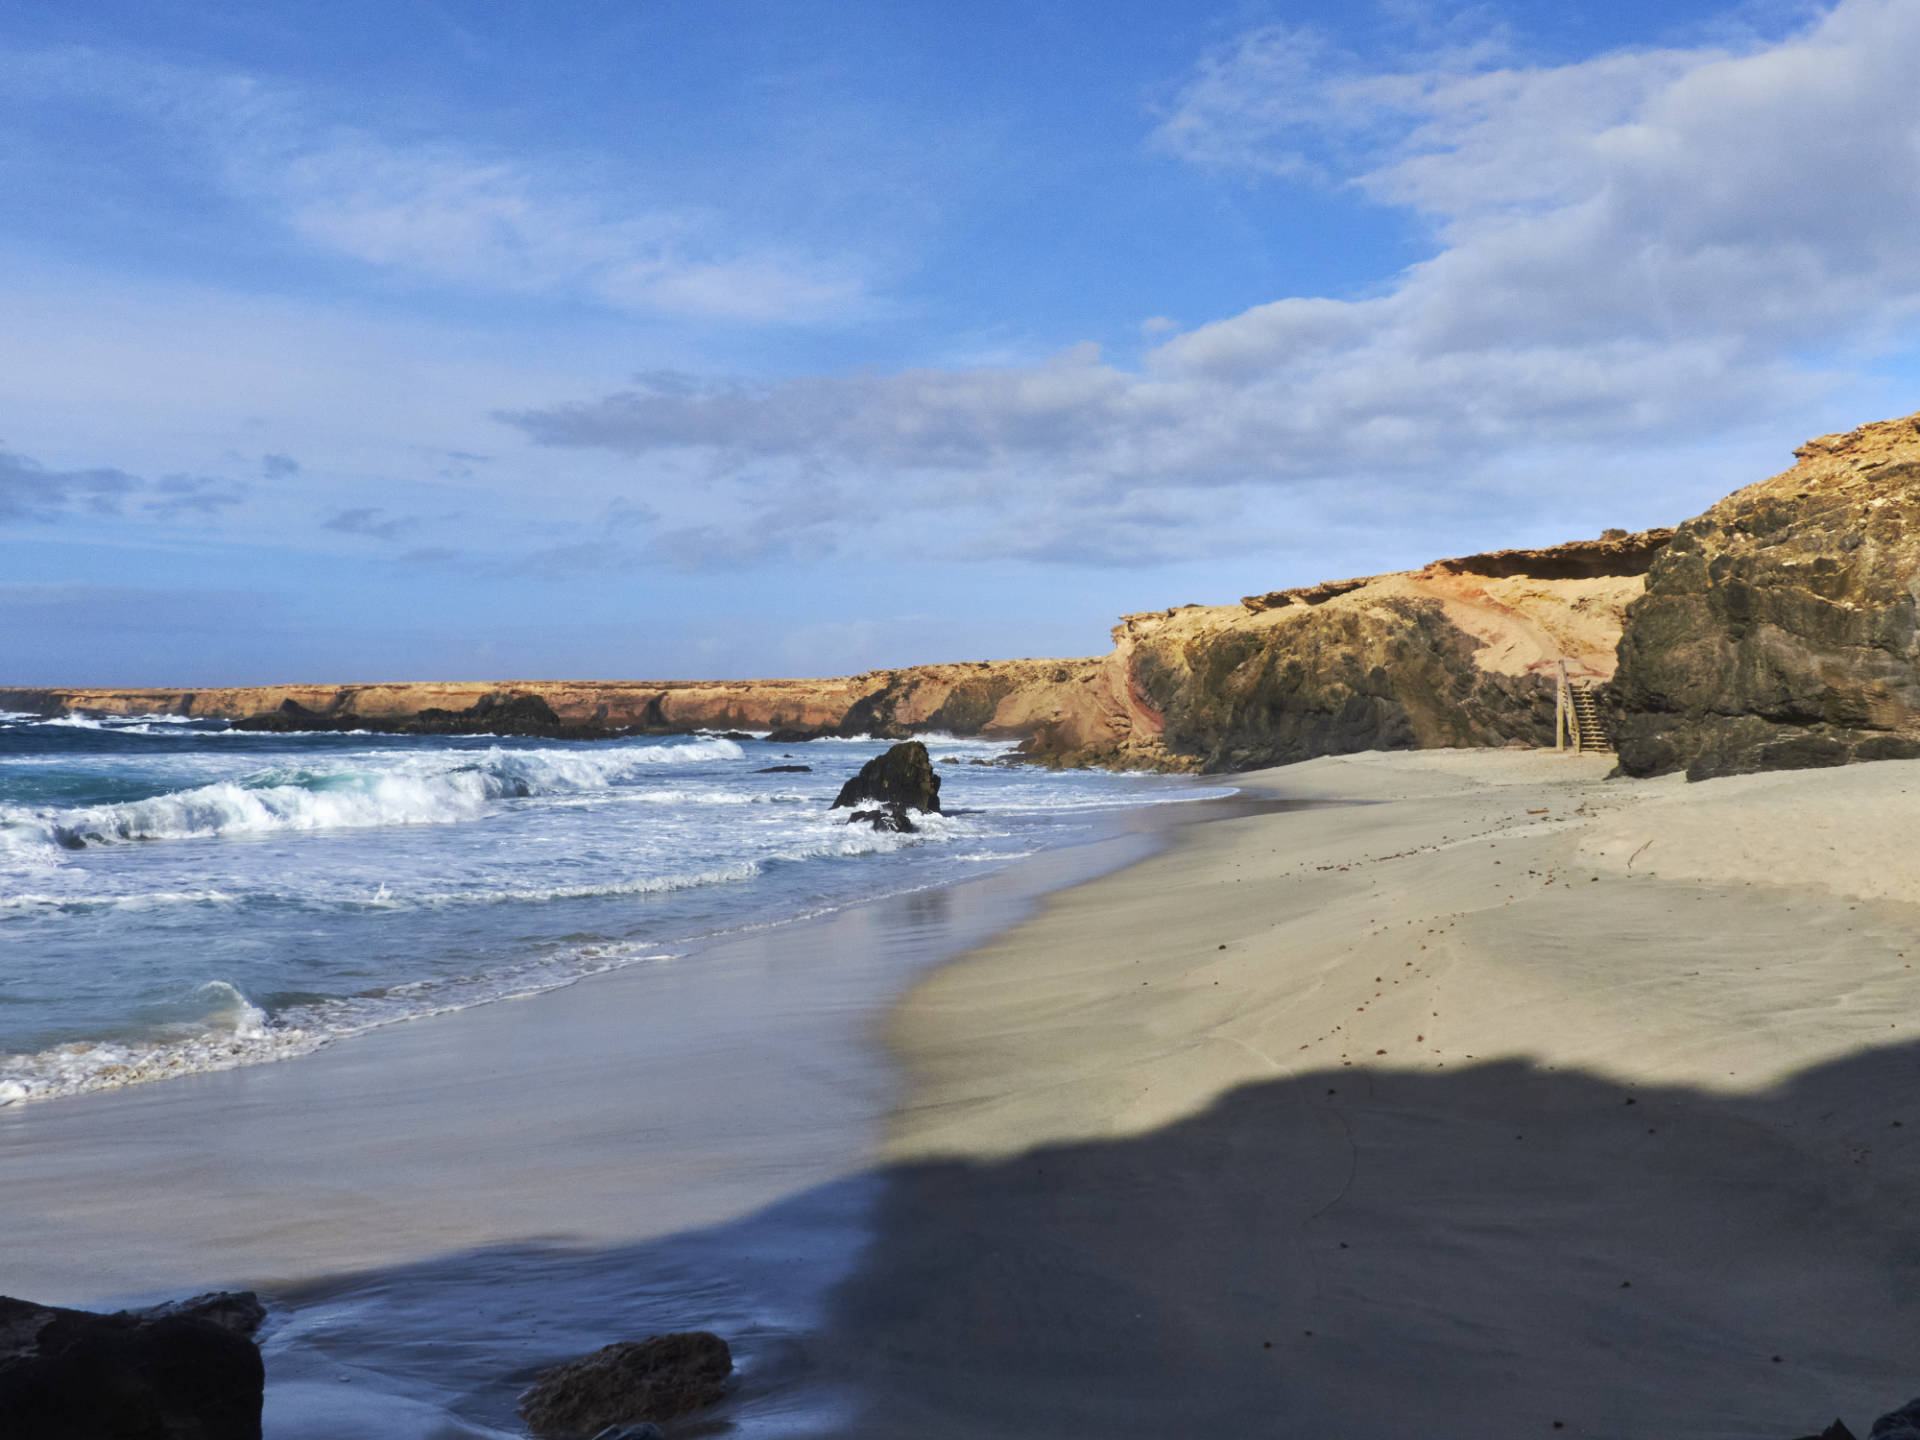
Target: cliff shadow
1503	1250
1499	1250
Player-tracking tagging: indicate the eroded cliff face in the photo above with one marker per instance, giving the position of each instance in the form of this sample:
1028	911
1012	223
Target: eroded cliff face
1007	698
1778	629
1462	652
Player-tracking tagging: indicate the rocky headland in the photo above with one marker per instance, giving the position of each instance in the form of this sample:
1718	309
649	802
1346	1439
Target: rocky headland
1009	698
1778	630
1463	652
1459	653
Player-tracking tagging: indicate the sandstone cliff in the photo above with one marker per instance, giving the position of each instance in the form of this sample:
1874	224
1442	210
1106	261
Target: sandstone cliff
1459	653
1007	698
1778	629
1462	652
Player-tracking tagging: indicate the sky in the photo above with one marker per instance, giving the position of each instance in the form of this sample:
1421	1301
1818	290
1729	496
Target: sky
655	339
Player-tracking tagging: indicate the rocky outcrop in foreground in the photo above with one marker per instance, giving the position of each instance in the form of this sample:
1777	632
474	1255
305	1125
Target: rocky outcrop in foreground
629	1383
1901	1424
1778	630
184	1371
903	776
890	785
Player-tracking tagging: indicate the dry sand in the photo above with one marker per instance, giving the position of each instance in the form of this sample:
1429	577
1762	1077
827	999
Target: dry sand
1484	1095
1490	1100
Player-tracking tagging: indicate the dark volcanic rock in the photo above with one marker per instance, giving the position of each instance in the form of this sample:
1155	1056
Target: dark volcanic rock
785	770
792	737
886	817
628	1383
182	1371
496	713
515	713
1778	630
902	776
1836	1431
1901	1424
292	715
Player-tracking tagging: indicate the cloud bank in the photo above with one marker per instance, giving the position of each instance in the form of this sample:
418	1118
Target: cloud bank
1645	248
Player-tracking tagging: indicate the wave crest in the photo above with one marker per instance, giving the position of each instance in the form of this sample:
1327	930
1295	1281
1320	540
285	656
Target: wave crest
410	789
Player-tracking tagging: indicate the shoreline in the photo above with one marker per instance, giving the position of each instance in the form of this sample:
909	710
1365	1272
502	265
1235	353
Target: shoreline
528	1148
1124	1150
1512	1098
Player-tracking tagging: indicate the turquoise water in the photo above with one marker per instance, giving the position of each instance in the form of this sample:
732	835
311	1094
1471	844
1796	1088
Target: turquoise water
177	896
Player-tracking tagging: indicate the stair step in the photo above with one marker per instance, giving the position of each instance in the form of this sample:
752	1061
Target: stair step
1585	719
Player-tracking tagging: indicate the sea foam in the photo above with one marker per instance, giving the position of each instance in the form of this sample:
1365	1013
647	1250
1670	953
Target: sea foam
354	793
387	878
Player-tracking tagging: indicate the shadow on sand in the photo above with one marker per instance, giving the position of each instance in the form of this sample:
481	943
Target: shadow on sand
1467	1253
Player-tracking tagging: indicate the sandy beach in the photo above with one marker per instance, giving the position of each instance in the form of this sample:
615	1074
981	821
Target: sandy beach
1489	1099
1462	1091
438	1209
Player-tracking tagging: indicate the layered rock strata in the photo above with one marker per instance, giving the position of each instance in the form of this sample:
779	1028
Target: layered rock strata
1462	652
1006	698
1778	630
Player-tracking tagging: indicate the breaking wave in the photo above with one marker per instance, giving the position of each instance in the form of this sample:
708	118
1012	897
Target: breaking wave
233	1031
408	790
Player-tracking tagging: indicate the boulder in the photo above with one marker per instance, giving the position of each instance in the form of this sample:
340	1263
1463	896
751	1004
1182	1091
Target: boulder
886	817
1779	629
628	1383
785	770
188	1370
495	713
903	776
1901	1424
291	716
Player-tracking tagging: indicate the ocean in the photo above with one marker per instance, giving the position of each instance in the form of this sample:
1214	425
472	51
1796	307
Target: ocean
178	897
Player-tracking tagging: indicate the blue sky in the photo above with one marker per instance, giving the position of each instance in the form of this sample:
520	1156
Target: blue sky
660	339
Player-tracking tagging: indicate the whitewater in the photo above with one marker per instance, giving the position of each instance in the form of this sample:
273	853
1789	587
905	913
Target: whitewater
177	896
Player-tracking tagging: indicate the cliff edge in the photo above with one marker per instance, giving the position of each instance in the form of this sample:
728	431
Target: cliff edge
1461	652
1778	630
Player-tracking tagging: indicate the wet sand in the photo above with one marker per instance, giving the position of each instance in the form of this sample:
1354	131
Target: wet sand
1508	1103
1468	1093
440	1208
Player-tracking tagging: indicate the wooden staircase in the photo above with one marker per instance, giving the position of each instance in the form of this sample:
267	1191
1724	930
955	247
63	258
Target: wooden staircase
1577	721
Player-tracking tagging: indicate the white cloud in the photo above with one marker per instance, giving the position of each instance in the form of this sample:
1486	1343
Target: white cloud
444	214
1248	103
440	210
1644	249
